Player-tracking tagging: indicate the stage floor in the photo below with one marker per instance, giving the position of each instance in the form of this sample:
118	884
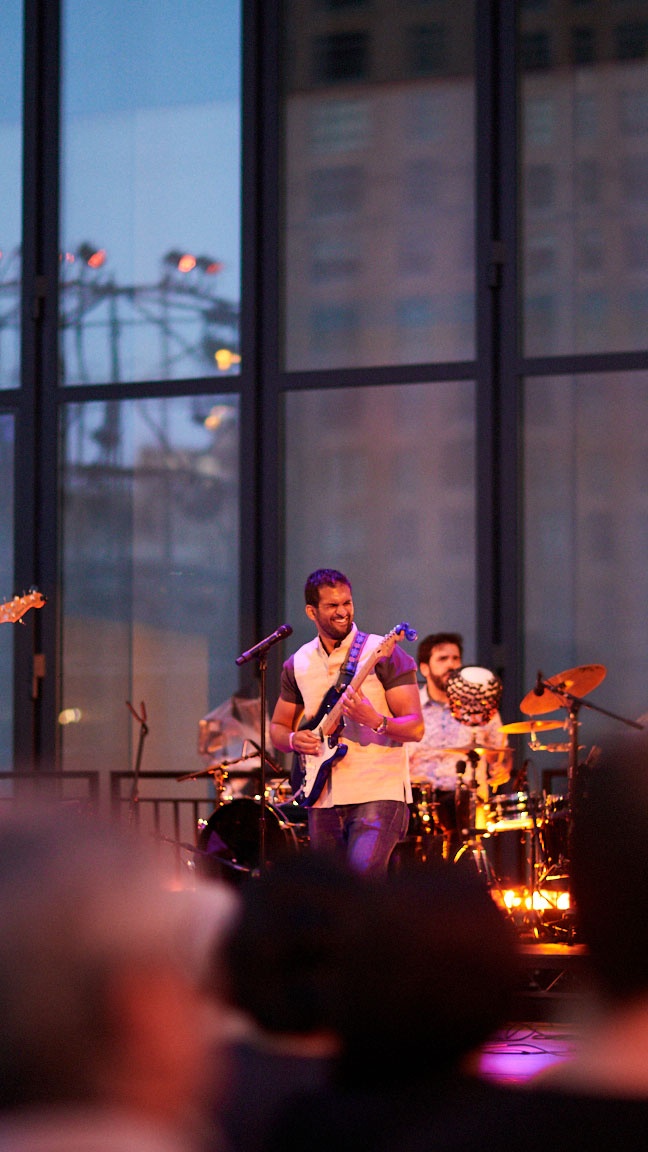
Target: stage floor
521	1051
552	1001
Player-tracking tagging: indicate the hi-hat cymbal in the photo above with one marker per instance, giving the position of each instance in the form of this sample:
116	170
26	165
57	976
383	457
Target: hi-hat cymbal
531	725
573	682
480	749
557	747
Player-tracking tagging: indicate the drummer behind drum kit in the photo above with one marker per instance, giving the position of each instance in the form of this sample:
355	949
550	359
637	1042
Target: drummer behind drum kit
518	840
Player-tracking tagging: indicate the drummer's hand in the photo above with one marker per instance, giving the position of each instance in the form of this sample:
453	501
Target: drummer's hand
306	742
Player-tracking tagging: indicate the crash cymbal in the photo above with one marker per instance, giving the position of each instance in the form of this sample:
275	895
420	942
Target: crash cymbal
573	682
531	725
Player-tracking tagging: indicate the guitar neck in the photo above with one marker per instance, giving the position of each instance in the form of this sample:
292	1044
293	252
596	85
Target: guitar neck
332	719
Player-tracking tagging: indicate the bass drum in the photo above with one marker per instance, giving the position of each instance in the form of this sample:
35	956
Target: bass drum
229	845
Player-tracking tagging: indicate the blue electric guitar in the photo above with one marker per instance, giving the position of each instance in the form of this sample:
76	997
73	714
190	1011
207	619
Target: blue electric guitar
328	723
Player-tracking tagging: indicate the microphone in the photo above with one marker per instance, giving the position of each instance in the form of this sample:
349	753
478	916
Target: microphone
263	645
539	689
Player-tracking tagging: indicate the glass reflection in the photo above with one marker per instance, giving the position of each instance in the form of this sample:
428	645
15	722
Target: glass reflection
7	454
379	175
150	573
584	113
380	483
150	249
586	532
11	86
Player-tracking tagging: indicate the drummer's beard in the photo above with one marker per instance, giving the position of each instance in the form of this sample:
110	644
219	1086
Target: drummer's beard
441	682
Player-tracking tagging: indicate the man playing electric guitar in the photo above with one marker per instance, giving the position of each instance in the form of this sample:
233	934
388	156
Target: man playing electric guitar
361	809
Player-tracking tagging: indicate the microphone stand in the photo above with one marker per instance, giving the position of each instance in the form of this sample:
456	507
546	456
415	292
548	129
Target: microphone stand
263	667
134	796
260	653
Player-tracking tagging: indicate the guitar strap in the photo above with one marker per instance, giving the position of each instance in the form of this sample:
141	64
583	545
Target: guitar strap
347	672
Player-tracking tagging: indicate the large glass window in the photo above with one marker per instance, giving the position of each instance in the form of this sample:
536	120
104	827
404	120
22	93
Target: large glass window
150	575
584	135
379	175
380	483
586	536
11	86
7	454
150	238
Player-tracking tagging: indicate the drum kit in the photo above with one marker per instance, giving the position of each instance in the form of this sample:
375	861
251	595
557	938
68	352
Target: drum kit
522	839
519	840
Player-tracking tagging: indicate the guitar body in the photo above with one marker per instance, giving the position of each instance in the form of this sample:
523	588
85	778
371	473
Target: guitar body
310	773
317	769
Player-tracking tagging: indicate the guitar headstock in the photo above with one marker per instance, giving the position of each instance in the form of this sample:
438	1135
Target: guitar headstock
15	609
409	633
400	632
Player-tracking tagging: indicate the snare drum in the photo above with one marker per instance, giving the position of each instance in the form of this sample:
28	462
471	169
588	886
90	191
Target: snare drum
230	842
514	811
511	846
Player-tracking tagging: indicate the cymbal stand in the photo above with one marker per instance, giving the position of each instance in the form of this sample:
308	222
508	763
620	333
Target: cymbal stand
573	704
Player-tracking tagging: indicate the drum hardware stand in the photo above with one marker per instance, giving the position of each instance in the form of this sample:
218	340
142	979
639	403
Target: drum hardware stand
143	732
215	768
472	836
573	704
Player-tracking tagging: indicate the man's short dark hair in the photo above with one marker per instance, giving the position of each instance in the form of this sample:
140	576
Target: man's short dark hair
323	578
434	640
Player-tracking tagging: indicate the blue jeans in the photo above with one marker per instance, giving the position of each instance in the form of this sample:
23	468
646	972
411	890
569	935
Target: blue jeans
366	833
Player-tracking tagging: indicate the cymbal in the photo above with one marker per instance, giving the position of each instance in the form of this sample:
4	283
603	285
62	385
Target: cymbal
574	682
557	747
480	749
531	725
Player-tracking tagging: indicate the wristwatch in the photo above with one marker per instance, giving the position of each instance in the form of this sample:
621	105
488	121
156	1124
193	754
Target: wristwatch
382	727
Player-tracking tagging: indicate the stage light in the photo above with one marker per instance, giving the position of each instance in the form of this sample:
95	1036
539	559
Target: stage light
217	415
208	265
186	263
70	716
91	255
541	900
225	358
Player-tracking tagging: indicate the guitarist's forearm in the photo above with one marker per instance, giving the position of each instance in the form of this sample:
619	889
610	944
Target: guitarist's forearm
404	729
286	739
280	736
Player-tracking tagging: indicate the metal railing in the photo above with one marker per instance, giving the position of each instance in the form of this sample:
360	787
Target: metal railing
155	809
78	788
